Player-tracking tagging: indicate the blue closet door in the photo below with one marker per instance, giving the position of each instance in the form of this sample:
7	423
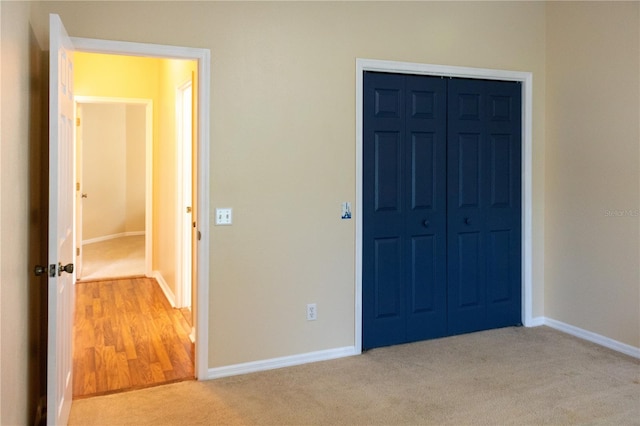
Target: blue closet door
404	211
383	272
425	205
441	207
484	204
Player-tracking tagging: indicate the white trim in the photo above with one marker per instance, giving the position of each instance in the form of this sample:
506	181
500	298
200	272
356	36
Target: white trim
165	287
148	164
112	237
286	361
526	78
203	193
203	57
537	322
593	337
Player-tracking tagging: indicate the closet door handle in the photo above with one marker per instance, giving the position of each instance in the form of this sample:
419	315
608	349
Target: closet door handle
425	223
467	221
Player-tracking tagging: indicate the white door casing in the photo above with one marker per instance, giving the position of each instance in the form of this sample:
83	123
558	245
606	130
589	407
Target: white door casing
526	78
61	232
202	191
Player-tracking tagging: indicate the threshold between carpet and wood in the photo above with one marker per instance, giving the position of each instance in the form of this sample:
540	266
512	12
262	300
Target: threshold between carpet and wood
127	336
510	376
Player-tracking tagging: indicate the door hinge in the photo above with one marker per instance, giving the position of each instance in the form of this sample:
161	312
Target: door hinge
77	251
77	121
77	186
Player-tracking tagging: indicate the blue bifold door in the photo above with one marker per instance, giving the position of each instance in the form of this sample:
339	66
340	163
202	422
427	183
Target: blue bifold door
441	207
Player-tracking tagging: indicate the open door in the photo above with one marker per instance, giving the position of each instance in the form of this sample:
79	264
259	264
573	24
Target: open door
61	193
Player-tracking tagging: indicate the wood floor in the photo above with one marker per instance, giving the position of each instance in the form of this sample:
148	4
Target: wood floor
127	336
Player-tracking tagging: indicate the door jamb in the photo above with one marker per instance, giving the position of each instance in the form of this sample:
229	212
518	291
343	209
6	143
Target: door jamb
148	160
526	78
203	58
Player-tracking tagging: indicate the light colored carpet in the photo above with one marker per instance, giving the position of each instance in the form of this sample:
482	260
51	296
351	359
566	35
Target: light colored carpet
118	257
521	376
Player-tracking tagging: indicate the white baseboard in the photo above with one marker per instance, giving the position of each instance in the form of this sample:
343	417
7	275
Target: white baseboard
286	361
592	337
536	322
112	236
165	288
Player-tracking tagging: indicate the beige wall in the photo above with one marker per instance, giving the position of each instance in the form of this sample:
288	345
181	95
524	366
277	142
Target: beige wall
136	152
14	212
113	175
104	177
592	278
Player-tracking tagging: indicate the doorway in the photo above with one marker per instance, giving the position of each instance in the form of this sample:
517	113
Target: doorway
114	146
151	202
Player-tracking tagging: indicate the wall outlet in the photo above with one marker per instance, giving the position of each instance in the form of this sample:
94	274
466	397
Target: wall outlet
312	312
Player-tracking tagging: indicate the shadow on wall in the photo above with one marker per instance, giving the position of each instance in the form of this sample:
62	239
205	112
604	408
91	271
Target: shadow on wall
38	229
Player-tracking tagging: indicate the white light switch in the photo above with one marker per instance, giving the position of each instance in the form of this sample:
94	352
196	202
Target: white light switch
224	216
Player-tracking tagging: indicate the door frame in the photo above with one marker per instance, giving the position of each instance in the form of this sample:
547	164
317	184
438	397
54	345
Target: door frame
203	58
526	78
148	159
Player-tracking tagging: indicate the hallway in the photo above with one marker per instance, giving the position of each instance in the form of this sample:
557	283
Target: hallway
127	336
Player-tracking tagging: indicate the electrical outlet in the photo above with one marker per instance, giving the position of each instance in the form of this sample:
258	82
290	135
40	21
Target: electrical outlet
312	312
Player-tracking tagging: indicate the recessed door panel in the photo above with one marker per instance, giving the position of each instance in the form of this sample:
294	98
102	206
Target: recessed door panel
388	103
387	171
423	276
468	169
388	277
469	275
501	173
499	267
422	170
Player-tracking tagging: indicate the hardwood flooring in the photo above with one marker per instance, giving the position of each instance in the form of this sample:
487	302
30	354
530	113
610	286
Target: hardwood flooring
127	336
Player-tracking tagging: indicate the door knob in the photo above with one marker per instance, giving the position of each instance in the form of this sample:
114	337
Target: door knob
467	221
84	195
425	223
68	268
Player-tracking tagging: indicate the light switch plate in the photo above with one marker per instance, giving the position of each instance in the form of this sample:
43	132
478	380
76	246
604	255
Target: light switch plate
224	216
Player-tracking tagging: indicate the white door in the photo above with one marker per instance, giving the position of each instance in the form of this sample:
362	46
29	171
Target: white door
61	238
185	173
